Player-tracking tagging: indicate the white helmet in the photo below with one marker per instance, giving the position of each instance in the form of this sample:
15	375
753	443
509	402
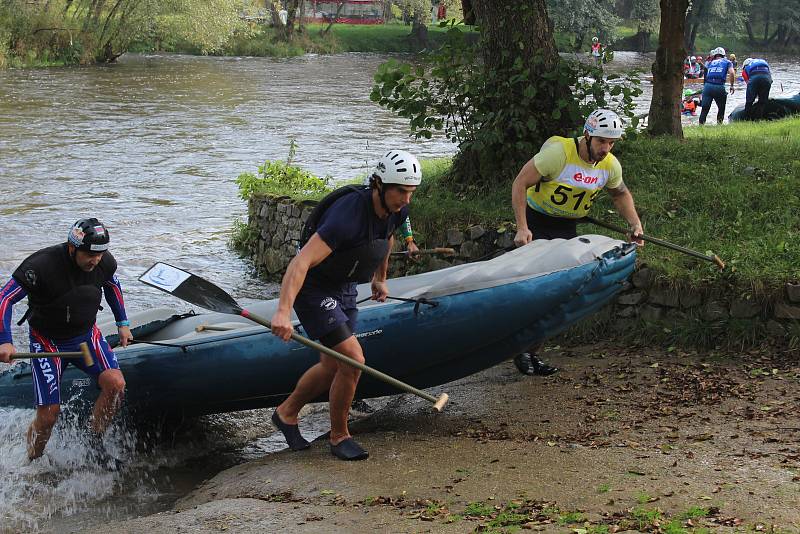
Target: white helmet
398	167
747	62
718	51
604	123
595	39
693	58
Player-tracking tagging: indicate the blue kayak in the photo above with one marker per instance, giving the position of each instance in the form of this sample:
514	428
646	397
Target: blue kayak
477	315
775	108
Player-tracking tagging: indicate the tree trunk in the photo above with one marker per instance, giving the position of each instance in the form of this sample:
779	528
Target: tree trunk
291	16
751	38
333	19
665	115
502	20
469	13
277	23
642	40
516	42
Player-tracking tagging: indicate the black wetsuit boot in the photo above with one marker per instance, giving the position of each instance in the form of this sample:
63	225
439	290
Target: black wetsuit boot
530	364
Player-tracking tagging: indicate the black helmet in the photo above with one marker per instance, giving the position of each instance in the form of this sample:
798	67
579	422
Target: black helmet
89	235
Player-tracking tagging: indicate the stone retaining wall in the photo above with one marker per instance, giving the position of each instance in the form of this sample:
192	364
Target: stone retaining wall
654	303
278	221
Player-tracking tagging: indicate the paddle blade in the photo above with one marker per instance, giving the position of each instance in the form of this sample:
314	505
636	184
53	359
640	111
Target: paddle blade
189	287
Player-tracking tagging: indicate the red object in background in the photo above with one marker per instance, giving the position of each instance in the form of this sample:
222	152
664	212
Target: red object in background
442	13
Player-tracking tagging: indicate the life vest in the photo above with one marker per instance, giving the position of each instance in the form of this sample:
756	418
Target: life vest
63	300
757	67
356	264
596	49
570	194
717	71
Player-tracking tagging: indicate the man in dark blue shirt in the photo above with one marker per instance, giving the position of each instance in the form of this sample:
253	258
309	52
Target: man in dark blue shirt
347	240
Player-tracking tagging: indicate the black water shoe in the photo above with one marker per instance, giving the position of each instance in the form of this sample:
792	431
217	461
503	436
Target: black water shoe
292	434
349	450
529	364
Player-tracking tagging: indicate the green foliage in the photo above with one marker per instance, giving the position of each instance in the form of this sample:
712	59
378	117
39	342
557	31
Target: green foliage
64	32
499	115
645	517
584	19
571	517
243	237
478	509
282	178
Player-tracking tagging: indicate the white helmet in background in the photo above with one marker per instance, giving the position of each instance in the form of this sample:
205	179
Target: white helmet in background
718	51
693	58
747	62
398	167
604	123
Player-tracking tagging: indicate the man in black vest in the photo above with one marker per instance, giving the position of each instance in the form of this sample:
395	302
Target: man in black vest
63	284
349	238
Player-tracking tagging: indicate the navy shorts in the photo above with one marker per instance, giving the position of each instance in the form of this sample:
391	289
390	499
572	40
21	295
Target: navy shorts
326	311
47	371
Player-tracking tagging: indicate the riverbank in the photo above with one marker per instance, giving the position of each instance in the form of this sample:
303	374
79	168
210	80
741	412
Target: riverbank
716	191
645	440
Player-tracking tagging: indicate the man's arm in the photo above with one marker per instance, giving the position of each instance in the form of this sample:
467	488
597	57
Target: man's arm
309	256
527	177
10	294
623	201
112	290
732	77
379	289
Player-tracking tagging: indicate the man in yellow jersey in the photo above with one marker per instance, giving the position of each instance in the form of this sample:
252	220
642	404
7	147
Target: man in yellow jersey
557	187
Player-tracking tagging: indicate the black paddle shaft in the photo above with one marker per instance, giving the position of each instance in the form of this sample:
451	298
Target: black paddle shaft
713	259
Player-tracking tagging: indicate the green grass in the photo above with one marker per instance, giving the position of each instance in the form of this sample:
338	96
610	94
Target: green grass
732	190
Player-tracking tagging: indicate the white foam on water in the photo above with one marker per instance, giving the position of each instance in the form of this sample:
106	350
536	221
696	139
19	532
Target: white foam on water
71	476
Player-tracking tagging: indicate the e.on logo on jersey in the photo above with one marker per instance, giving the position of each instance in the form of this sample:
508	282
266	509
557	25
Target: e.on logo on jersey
588	180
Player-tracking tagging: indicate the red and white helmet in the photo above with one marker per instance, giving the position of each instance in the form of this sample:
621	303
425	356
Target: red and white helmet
398	167
604	123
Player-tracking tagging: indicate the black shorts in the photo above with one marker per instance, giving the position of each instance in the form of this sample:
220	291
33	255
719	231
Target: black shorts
546	227
328	315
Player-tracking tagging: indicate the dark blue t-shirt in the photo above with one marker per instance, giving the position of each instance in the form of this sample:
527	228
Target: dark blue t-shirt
343	225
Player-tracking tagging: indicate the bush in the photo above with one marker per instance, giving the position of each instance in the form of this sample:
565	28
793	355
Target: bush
282	178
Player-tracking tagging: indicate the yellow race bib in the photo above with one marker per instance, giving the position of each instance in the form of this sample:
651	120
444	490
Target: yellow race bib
570	191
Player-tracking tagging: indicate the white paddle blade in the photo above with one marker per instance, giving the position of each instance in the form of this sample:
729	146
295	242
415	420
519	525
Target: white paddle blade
164	277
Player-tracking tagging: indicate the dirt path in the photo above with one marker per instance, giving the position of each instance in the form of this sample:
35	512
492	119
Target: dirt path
641	440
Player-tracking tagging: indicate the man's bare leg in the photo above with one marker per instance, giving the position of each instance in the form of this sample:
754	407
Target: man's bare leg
112	389
343	389
41	428
311	385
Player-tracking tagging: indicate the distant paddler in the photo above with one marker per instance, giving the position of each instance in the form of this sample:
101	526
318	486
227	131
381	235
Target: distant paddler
64	284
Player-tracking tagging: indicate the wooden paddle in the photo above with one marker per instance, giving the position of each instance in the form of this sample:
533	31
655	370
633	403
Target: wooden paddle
84	353
200	292
438	250
209	327
713	258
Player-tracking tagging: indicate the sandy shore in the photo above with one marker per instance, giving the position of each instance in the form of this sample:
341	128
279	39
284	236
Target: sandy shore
643	440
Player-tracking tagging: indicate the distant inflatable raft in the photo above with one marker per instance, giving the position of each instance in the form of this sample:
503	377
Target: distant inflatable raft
776	108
